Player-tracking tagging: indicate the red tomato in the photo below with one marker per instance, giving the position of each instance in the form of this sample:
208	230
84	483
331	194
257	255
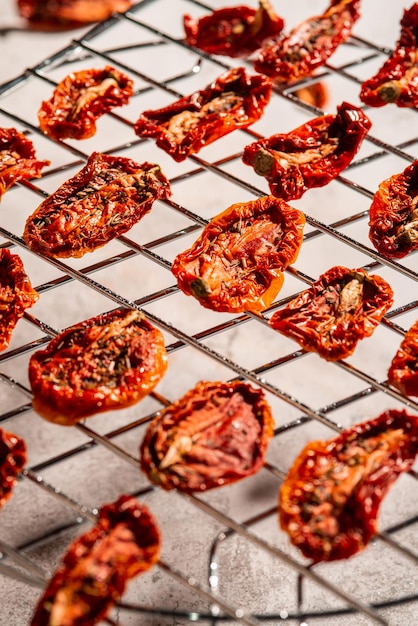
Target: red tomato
107	362
98	565
340	308
80	99
233	31
238	261
16	294
216	434
12	462
234	100
330	498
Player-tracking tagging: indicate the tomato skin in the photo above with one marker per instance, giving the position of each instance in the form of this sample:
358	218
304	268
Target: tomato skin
12	462
107	362
234	100
309	45
397	80
233	31
330	498
393	214
311	155
51	15
237	262
17	159
97	566
108	196
16	294
80	99
403	370
216	434
340	308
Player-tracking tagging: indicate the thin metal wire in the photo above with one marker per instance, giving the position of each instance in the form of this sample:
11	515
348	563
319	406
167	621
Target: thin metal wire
219	609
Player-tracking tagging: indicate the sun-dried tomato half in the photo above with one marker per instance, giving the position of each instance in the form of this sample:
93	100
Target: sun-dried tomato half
312	154
403	370
393	214
340	308
98	565
315	95
107	362
397	80
16	294
64	14
12	462
233	31
329	501
216	434
17	159
234	100
102	201
237	263
308	45
80	99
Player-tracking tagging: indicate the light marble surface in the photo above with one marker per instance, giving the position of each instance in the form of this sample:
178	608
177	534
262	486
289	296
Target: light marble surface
250	576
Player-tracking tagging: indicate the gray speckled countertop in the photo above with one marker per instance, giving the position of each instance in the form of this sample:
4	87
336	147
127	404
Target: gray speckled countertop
249	575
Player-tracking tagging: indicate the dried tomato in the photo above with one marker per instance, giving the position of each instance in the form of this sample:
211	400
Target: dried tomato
80	99
311	155
233	31
64	14
308	45
216	434
97	566
17	159
340	308
403	370
12	462
330	499
107	362
397	80
102	201
16	294
315	95
393	214
237	263
234	100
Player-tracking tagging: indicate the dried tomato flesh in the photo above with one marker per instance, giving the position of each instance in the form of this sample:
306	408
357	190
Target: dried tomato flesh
12	462
233	31
311	155
397	80
17	159
315	95
80	99
393	214
63	14
310	44
107	362
16	294
97	566
403	370
342	307
103	200
234	100
216	434
329	501
238	261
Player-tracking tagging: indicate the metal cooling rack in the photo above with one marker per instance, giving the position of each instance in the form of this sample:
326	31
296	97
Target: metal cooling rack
224	559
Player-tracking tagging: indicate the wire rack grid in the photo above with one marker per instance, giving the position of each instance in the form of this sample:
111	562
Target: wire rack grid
224	559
